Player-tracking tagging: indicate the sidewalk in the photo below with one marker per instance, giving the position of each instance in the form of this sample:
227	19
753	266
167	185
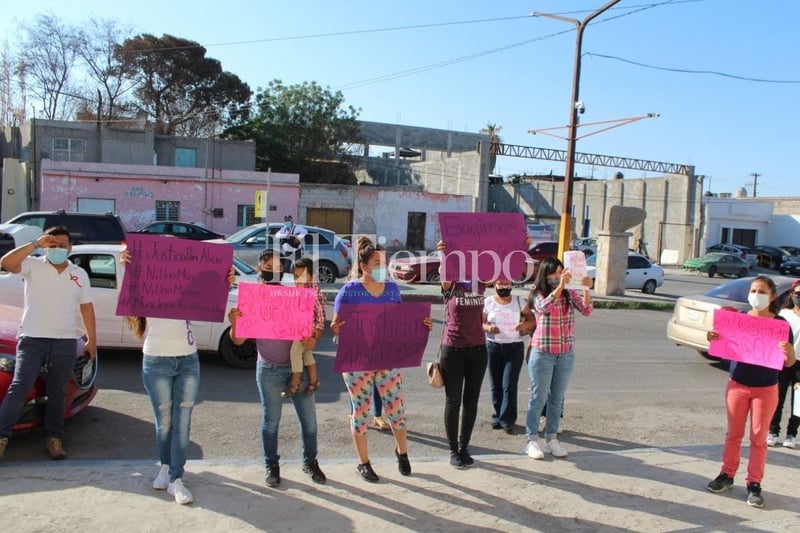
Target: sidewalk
647	489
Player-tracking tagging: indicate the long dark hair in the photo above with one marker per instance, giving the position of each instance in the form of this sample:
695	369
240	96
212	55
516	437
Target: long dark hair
774	306
547	267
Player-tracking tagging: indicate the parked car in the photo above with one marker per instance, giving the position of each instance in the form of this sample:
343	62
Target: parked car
13	235
182	230
790	267
84	228
770	256
719	263
640	273
101	262
736	249
793	251
693	316
81	388
323	246
416	267
588	245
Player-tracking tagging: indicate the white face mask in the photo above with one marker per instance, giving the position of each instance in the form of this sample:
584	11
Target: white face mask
758	301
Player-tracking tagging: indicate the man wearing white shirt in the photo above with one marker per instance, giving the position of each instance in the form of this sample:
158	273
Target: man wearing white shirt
291	238
54	289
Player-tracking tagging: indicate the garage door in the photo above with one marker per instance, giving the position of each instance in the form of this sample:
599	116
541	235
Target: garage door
338	220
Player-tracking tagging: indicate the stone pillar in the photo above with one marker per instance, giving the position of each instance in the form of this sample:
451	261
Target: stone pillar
612	262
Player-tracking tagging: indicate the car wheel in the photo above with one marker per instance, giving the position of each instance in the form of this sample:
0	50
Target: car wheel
712	271
243	356
742	272
649	286
326	272
433	277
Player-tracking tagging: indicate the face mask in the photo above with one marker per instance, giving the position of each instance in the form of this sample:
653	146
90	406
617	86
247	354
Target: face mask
757	301
56	255
287	225
504	292
796	301
378	274
553	282
270	276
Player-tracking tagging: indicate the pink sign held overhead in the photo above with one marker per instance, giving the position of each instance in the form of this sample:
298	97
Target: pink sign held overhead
175	278
275	311
483	246
749	339
378	336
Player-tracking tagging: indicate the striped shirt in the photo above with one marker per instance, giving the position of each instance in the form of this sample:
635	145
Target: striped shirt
555	321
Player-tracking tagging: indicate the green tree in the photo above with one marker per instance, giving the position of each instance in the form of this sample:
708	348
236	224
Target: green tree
297	126
181	89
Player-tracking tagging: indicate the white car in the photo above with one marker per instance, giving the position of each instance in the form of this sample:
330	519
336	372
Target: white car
640	273
101	262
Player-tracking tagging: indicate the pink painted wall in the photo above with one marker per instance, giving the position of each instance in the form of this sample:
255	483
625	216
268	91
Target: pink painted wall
135	189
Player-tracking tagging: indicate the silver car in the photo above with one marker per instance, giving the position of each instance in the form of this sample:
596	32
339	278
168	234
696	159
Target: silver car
693	316
323	246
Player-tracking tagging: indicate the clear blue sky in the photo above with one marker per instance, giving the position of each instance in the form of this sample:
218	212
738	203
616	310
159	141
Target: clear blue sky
727	128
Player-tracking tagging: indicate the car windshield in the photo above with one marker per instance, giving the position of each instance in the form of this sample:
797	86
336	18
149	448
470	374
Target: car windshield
735	290
239	234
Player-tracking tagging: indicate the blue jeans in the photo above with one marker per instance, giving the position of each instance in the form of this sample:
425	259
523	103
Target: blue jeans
172	384
272	380
549	375
505	364
57	356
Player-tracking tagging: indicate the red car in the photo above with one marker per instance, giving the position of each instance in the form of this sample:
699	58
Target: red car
80	388
416	268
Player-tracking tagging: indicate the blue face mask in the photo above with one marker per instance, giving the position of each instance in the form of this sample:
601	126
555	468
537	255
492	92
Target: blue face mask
378	274
56	255
287	224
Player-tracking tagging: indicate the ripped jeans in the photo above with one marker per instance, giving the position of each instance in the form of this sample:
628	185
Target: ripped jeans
172	384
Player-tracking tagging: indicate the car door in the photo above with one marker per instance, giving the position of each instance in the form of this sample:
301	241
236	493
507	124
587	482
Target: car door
249	249
637	271
727	265
104	284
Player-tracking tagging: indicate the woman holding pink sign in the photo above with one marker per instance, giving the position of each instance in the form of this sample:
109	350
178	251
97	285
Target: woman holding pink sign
372	287
752	390
789	376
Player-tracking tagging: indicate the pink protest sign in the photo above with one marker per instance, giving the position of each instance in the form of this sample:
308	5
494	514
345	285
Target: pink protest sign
175	278
275	311
749	339
483	246
378	336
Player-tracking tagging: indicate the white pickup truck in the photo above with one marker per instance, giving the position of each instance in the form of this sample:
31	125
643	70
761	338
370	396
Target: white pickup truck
101	262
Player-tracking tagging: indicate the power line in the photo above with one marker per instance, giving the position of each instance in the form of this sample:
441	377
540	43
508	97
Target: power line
692	71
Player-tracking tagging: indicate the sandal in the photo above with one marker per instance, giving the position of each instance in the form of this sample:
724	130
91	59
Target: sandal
312	388
291	390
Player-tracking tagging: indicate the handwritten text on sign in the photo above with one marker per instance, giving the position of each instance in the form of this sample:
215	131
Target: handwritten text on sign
175	278
275	311
483	246
378	336
749	339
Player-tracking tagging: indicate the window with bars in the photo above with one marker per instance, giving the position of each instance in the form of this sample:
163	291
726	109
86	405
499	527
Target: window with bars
246	215
69	149
168	210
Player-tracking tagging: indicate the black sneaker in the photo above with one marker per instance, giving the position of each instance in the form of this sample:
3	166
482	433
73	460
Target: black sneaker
466	458
456	460
367	472
720	483
403	464
273	475
754	497
496	425
317	475
509	429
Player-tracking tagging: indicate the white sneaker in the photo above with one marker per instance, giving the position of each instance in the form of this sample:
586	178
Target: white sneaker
772	439
181	493
161	482
788	442
555	448
533	450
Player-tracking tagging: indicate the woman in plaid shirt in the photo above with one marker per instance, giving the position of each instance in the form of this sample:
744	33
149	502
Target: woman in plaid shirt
552	357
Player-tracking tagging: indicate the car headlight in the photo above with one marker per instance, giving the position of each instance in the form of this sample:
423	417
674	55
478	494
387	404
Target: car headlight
7	363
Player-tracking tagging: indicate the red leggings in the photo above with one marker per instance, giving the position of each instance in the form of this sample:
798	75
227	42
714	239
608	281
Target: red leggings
760	402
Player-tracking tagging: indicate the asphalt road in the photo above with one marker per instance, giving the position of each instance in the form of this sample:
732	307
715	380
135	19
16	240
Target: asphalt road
631	389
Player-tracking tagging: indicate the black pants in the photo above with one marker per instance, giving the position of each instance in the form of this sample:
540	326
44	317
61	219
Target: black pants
786	380
463	370
505	363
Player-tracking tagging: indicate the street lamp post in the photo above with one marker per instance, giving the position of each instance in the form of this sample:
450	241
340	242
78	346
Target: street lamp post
565	231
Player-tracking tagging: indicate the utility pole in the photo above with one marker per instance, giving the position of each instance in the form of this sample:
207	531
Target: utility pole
565	231
755	176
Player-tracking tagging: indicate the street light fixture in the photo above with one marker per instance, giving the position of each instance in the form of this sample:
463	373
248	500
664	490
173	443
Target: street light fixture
565	231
